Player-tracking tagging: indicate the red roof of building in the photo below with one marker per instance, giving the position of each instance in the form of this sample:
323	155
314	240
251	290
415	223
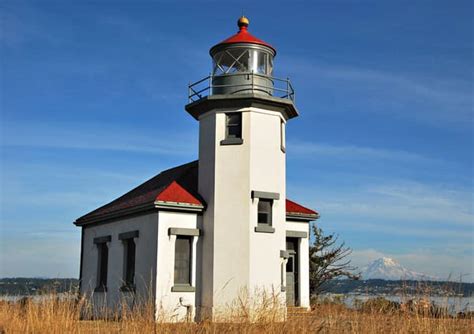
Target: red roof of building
243	36
295	208
175	193
175	187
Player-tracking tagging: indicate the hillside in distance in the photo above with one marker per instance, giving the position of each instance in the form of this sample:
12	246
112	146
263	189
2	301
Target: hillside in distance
382	287
22	286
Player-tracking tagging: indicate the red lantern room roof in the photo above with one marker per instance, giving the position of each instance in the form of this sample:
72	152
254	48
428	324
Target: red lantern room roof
243	36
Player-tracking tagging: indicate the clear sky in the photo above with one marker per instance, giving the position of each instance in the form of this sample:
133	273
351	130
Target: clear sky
92	104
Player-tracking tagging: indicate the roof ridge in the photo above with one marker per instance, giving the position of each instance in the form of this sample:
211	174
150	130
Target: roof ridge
171	180
153	177
185	166
180	166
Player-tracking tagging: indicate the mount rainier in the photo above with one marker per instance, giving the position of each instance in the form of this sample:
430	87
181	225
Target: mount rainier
389	269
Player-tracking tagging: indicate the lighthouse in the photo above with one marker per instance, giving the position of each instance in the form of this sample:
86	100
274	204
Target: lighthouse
242	173
201	237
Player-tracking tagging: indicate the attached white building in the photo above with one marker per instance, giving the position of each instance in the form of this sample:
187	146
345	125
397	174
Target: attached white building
196	237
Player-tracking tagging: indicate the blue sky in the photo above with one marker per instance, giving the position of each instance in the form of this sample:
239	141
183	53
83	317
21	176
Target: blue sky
92	97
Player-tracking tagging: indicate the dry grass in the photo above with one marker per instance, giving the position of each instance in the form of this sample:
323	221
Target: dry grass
52	315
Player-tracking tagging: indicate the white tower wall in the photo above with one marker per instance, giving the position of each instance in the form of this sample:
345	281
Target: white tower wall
236	258
267	173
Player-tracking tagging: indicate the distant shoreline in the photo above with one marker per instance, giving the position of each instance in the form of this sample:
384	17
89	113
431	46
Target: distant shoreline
28	286
382	287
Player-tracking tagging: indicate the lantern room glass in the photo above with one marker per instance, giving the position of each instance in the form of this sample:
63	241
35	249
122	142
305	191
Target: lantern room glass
242	60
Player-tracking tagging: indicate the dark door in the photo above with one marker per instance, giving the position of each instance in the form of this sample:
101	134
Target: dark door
292	272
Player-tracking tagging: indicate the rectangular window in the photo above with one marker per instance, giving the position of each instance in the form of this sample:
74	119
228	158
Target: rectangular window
103	258
233	126
265	211
182	260
282	136
289	265
129	262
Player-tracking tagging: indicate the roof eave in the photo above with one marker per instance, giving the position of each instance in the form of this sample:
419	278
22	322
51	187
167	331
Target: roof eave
301	216
179	206
254	44
157	205
174	206
113	215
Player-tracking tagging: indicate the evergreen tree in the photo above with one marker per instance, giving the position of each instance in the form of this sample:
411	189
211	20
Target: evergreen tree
328	260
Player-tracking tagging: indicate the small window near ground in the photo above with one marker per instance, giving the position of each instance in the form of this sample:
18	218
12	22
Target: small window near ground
103	258
129	262
182	260
233	126
264	211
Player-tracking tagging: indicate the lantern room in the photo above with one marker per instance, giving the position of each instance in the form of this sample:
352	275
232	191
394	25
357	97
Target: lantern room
242	53
242	63
242	68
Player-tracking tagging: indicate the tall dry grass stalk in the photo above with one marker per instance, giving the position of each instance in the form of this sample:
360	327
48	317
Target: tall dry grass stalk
257	306
63	314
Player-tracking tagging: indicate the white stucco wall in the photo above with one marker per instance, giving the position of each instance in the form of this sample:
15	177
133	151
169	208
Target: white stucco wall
145	262
168	302
236	259
267	165
154	275
303	250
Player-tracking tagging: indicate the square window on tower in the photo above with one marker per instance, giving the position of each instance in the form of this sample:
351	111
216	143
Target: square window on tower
265	212
233	126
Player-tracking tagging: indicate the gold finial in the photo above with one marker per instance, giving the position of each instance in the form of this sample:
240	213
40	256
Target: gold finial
243	22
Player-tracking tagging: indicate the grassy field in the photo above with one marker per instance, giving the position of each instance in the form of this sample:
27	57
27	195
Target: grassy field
64	316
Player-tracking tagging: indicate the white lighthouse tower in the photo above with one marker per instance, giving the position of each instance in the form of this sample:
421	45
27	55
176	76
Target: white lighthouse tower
242	171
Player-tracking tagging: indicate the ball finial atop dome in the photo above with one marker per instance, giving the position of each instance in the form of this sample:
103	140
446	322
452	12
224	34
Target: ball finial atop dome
243	22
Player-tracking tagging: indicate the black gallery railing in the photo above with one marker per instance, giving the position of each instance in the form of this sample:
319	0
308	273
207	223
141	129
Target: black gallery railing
241	83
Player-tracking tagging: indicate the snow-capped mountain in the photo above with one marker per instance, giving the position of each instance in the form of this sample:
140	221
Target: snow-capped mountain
389	269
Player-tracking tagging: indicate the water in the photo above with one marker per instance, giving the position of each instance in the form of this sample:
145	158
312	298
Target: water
453	304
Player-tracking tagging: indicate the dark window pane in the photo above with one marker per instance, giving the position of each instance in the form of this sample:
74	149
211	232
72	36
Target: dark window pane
264	205
233	119
262	218
129	261
264	211
103	263
233	132
182	260
234	125
291	244
289	265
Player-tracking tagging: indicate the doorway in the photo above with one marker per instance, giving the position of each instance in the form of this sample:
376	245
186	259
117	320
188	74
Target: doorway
292	291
